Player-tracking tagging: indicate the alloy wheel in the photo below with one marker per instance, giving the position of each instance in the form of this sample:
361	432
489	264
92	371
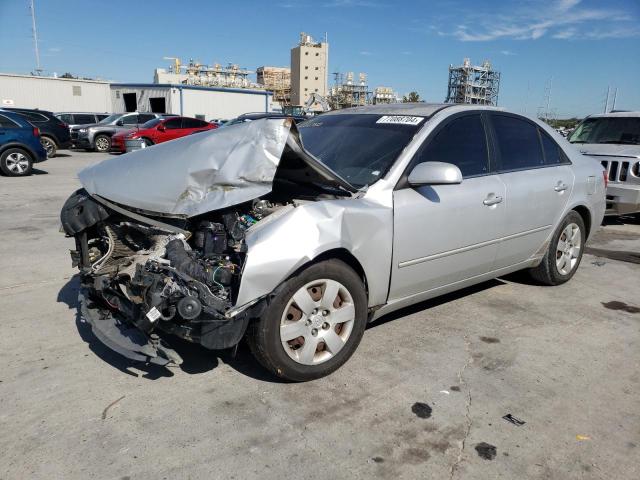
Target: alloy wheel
317	322
17	163
48	146
568	249
102	144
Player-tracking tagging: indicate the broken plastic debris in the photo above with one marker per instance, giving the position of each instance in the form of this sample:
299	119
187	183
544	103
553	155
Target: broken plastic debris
582	437
516	421
446	392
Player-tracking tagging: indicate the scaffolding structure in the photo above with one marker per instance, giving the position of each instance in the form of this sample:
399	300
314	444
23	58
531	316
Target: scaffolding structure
384	95
195	73
471	84
346	93
278	81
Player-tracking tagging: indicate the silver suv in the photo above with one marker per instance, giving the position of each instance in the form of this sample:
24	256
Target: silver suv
614	139
97	136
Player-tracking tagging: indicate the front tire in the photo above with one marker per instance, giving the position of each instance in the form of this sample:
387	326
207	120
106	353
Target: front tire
102	143
313	323
15	162
564	254
49	145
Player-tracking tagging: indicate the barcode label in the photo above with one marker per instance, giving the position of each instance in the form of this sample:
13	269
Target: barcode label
400	119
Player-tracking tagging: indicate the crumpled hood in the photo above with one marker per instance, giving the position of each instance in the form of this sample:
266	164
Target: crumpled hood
608	149
195	174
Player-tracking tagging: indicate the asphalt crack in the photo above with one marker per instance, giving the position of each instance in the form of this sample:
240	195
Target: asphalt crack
468	420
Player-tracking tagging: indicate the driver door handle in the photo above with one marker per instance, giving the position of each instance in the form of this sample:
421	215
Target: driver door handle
561	187
492	200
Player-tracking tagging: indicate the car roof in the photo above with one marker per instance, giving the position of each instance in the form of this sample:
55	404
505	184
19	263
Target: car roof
419	109
258	115
34	110
615	114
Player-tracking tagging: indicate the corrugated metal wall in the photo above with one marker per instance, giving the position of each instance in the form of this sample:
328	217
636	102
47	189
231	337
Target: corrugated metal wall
222	104
54	94
143	94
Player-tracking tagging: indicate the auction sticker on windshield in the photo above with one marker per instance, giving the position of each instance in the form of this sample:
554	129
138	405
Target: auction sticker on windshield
400	119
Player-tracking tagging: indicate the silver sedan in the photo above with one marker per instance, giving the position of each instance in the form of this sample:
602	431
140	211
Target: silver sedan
296	237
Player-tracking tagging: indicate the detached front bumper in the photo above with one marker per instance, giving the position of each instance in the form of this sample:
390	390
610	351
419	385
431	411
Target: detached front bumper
123	338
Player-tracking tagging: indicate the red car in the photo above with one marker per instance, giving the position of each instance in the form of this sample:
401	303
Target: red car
161	130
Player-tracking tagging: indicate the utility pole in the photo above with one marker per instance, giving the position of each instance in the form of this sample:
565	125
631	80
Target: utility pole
615	95
606	102
35	36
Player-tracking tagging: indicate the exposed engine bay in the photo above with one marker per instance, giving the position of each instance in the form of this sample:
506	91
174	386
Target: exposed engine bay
179	278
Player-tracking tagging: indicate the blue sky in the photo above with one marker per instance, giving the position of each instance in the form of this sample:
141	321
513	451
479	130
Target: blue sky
583	46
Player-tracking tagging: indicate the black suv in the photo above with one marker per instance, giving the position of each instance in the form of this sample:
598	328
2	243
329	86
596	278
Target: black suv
54	133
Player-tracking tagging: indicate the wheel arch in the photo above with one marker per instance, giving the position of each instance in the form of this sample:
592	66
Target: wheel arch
20	146
338	254
585	214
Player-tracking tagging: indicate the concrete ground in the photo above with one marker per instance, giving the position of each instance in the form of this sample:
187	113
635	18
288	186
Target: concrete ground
423	397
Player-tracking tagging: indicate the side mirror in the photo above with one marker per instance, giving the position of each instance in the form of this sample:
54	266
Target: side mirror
434	173
119	123
162	128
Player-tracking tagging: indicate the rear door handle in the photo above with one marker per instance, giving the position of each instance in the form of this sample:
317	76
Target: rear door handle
492	200
560	187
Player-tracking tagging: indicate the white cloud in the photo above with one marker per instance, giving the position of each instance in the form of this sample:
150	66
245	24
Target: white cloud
507	53
366	53
534	19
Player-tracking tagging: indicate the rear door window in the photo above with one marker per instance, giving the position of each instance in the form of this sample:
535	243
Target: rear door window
518	143
66	118
130	120
462	142
173	123
145	117
83	118
193	123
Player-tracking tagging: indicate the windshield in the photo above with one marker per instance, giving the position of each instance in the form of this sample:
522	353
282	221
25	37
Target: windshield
360	148
111	118
623	130
152	123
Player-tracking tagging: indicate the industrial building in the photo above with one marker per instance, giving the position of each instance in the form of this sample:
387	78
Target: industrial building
309	62
346	93
384	95
55	94
198	74
189	100
64	95
473	84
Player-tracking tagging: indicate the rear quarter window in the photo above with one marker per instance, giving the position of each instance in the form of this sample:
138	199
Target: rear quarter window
6	122
553	154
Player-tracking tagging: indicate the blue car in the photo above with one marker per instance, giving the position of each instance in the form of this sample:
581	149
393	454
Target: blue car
20	145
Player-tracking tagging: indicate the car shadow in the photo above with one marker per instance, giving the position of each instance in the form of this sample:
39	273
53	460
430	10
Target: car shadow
197	359
37	171
62	155
434	302
621	220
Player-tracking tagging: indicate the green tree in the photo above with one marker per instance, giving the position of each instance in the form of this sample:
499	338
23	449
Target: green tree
411	98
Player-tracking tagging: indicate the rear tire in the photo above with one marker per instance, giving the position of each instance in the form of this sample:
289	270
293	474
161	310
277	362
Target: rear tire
313	322
564	254
148	142
15	162
49	145
102	143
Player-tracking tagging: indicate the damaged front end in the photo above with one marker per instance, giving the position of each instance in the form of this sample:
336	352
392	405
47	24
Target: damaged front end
139	278
160	234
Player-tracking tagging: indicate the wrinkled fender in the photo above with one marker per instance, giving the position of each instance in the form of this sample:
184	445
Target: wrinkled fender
287	240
